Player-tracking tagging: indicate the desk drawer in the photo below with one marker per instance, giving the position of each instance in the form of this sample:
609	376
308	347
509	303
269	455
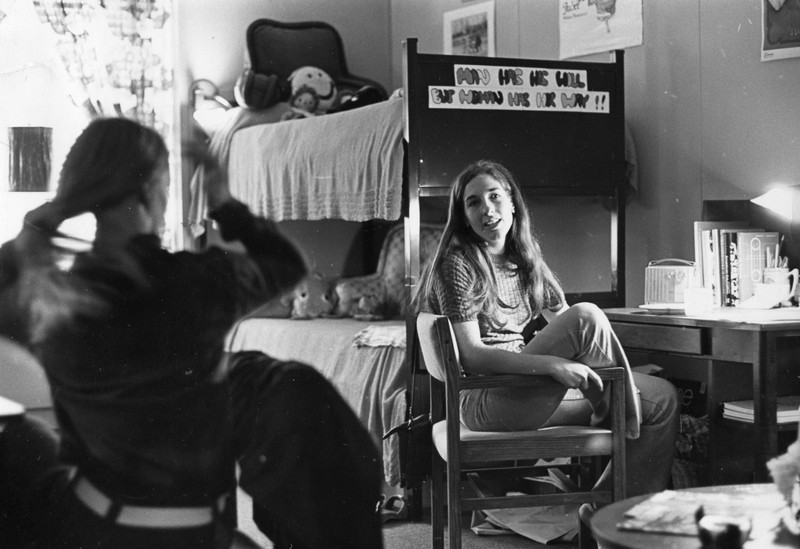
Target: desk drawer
676	339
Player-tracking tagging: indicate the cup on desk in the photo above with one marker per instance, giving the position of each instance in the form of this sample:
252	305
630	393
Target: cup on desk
697	301
779	277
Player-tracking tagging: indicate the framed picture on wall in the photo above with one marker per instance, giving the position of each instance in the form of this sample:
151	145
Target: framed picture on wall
780	29
470	30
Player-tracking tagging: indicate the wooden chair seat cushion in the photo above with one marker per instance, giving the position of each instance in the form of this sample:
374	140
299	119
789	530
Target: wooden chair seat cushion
548	442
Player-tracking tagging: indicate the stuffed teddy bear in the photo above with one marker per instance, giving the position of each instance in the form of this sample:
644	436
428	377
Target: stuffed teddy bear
313	297
359	300
313	92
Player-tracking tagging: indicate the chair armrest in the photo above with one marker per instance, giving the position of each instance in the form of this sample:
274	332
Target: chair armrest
476	382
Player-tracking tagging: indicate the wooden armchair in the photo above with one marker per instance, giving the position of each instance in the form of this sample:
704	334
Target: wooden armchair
461	450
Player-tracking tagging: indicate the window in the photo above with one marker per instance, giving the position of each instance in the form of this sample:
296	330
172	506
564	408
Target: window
62	62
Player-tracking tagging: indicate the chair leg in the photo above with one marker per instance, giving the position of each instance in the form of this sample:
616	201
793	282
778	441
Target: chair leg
454	505
437	502
585	538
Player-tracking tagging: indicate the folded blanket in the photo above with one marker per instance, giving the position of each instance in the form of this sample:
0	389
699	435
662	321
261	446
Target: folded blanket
376	335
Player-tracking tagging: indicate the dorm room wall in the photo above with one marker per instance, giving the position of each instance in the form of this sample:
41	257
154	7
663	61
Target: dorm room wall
710	120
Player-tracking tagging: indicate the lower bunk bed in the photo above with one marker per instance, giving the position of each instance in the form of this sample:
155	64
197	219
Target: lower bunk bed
366	362
361	352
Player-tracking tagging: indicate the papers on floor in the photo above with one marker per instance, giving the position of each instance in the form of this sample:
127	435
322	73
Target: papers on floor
546	524
540	524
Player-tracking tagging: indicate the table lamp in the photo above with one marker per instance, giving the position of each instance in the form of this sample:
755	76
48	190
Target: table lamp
208	106
783	201
778	209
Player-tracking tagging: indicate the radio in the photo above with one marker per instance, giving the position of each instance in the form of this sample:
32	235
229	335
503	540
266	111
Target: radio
666	279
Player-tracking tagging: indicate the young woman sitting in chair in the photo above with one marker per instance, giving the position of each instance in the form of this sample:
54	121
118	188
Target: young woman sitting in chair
489	278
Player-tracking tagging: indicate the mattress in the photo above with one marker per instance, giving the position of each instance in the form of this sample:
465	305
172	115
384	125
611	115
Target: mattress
365	361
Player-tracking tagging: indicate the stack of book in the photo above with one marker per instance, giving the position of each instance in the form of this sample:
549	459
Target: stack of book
742	410
730	258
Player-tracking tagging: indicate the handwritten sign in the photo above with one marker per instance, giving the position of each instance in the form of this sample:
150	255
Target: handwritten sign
518	88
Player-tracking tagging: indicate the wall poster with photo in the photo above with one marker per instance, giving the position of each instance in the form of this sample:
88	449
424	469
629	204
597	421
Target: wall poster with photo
470	30
780	29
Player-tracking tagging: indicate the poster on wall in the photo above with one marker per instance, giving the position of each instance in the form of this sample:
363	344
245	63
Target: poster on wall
470	30
483	87
780	29
593	26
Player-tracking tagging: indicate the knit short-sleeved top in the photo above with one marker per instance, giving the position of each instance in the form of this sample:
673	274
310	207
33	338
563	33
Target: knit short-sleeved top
453	297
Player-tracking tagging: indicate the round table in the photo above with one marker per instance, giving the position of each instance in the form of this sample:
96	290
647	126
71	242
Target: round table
763	499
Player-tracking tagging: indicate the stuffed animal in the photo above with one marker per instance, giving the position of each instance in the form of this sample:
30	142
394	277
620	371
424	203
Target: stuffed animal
313	92
359	300
313	297
304	101
367	308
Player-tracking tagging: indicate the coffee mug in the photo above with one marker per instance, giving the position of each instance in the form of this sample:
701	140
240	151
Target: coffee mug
783	278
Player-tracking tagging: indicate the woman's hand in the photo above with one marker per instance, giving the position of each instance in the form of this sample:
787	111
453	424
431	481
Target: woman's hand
214	180
575	375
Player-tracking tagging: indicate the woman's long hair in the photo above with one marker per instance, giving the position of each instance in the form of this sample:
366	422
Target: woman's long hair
521	248
111	160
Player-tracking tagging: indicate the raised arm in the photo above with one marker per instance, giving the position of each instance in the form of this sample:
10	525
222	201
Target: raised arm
278	261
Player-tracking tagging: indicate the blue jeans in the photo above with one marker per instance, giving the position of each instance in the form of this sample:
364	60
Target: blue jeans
583	333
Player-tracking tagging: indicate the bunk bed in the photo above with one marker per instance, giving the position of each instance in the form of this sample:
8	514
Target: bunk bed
558	125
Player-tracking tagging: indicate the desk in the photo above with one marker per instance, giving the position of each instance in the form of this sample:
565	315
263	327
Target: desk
766	502
745	354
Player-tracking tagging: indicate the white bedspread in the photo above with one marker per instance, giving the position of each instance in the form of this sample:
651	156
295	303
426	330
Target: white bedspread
371	376
346	165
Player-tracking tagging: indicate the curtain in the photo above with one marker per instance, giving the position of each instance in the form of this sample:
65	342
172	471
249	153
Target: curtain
118	56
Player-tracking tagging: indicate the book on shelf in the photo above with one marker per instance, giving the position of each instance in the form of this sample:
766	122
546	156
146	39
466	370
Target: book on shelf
742	410
700	245
752	246
731	257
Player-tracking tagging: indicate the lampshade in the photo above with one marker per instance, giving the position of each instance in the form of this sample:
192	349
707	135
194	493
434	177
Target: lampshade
778	209
782	201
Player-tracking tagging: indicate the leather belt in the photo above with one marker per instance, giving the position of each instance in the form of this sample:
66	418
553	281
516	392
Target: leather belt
145	517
